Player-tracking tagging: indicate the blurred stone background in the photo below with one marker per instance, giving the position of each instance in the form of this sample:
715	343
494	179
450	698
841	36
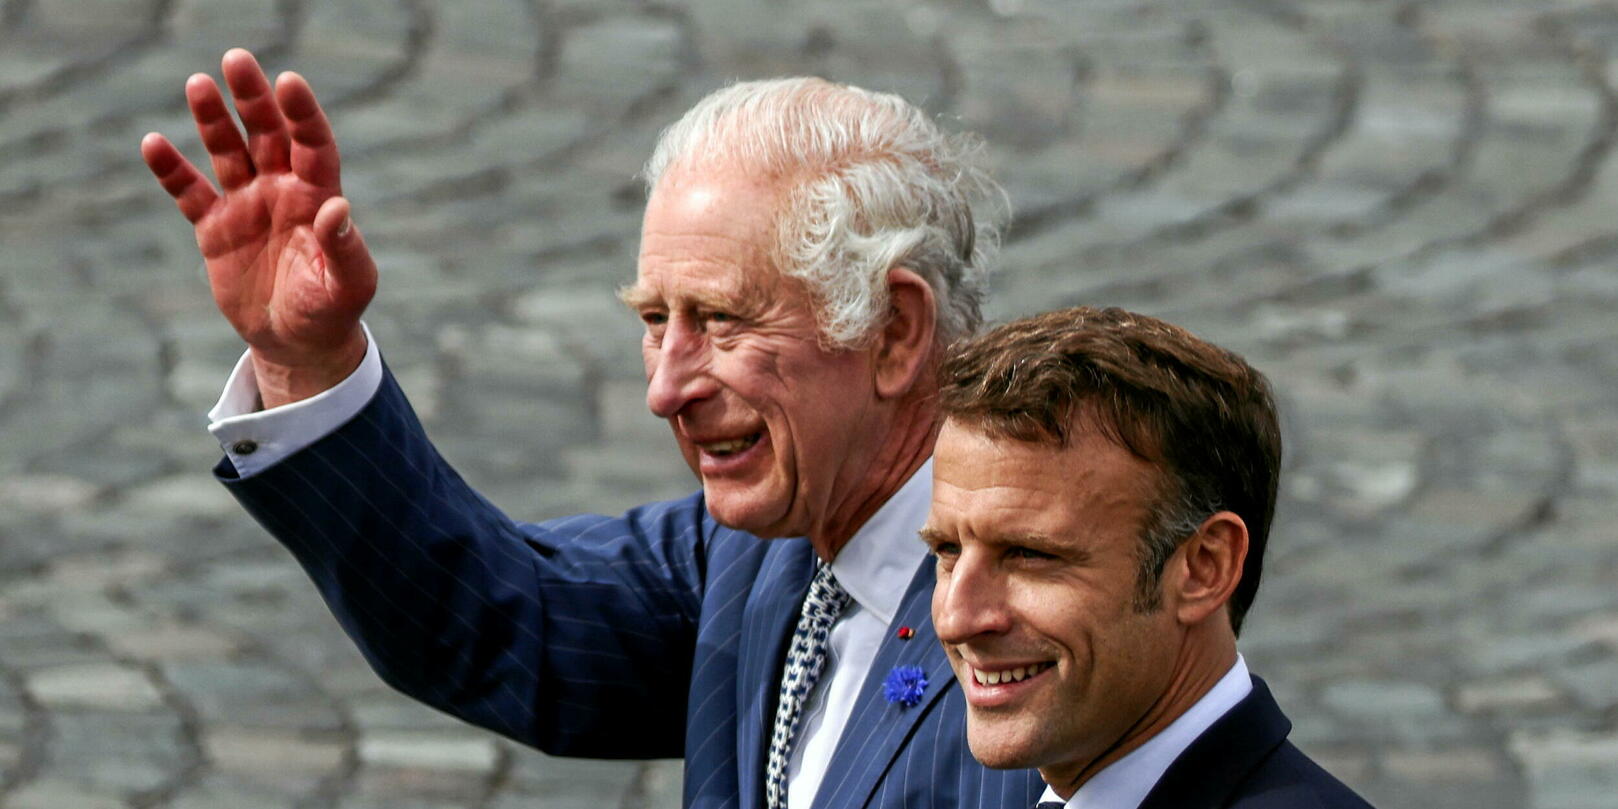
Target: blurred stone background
1403	212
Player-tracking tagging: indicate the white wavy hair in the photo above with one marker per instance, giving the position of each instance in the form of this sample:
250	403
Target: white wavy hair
875	185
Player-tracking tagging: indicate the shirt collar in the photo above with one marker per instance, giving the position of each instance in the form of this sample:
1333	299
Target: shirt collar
1124	783
876	565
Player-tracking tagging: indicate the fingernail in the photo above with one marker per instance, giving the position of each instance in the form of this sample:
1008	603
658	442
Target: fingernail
347	224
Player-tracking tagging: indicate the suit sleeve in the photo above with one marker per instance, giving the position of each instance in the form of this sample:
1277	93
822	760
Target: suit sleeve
575	636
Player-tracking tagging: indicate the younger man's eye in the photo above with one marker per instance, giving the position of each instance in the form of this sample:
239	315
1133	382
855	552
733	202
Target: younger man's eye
1021	552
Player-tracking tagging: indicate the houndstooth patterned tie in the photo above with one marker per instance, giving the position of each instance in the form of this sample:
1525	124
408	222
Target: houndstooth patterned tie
805	658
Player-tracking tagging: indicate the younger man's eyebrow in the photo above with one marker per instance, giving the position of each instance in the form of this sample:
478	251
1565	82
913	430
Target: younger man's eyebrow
1044	543
1032	539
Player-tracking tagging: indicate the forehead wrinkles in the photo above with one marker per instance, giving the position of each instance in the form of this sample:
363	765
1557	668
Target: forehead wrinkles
1038	486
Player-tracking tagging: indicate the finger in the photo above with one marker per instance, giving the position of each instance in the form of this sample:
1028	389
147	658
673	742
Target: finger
191	191
314	150
219	134
266	129
352	271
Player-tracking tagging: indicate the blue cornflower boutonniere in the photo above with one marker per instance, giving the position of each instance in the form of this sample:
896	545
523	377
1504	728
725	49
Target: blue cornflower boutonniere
905	685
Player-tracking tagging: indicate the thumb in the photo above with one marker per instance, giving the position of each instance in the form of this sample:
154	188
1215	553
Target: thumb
348	260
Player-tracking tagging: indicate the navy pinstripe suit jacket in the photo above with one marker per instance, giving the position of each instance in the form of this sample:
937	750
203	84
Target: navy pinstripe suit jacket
658	633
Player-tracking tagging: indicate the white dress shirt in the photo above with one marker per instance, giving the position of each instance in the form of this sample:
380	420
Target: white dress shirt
255	440
1124	783
875	567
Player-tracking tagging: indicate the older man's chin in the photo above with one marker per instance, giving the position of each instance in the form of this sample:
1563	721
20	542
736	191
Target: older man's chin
744	508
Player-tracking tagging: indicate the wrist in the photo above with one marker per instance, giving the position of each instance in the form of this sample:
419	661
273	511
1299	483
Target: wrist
282	382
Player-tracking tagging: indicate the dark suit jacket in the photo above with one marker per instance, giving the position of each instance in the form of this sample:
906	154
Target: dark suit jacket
658	633
1244	761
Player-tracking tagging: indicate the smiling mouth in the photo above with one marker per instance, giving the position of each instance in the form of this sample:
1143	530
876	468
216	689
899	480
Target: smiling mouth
722	449
1007	676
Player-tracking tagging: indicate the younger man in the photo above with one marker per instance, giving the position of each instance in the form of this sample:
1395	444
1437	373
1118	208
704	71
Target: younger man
1103	489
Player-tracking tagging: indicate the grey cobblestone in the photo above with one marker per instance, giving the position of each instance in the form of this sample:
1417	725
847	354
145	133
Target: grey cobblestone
104	686
1403	212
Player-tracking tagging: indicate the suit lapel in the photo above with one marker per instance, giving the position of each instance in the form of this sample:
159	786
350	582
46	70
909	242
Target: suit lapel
1208	772
771	615
877	729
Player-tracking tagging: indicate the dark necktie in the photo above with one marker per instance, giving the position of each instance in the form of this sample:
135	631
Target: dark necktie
805	658
1052	805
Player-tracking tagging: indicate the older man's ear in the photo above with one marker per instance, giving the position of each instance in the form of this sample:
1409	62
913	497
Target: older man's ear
1203	573
905	347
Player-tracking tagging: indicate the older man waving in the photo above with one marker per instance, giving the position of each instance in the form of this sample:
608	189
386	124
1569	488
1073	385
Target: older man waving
806	250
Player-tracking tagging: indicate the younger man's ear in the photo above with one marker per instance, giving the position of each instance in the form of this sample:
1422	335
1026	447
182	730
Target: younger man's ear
906	341
1209	567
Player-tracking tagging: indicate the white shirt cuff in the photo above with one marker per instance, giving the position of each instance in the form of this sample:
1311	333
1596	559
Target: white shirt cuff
255	440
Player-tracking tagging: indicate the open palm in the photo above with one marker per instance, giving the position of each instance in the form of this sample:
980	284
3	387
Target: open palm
287	269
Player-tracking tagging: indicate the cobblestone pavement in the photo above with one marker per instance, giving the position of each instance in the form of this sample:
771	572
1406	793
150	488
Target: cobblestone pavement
1402	211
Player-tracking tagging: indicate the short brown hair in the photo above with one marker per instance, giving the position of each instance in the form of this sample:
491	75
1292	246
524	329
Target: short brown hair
1199	413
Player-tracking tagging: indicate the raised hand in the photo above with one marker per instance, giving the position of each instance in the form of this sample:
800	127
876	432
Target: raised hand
288	268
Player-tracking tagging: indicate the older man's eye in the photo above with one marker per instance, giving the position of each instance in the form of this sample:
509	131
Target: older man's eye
656	323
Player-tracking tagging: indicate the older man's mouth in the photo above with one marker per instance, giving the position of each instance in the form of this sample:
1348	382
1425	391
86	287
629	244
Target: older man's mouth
729	447
730	457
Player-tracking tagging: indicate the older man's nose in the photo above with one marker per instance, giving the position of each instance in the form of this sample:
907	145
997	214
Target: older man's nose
676	372
970	601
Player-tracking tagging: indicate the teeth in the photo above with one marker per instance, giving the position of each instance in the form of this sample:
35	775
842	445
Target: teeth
728	447
1015	675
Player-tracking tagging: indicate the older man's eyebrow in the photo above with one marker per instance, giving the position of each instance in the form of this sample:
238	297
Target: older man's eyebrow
636	296
740	303
932	536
